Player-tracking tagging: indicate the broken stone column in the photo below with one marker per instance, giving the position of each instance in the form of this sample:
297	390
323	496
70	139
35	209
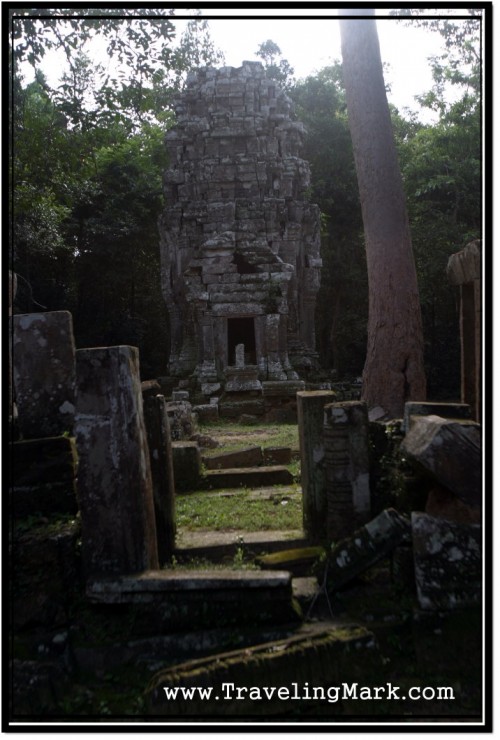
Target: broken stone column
44	373
464	270
162	472
347	467
114	477
310	413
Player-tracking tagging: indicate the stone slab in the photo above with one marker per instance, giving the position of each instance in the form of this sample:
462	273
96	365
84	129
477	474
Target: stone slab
238	459
248	477
167	601
316	658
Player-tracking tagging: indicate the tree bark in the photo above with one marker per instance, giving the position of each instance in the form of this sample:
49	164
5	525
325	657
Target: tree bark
394	369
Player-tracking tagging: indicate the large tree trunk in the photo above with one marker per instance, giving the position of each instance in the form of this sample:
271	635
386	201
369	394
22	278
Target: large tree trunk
394	369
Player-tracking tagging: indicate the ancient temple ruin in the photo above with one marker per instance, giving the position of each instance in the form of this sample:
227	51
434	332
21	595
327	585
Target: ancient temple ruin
240	243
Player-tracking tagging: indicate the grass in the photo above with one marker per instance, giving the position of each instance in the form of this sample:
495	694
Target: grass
266	509
233	437
276	508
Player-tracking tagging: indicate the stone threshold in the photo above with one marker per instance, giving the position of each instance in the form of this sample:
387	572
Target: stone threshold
215	546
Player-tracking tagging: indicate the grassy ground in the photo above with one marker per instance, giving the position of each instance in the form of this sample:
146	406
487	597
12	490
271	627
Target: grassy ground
233	437
271	508
274	508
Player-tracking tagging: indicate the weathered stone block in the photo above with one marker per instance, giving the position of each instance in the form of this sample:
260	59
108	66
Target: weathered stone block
44	373
187	465
346	440
367	546
450	452
162	474
448	562
310	412
114	476
324	658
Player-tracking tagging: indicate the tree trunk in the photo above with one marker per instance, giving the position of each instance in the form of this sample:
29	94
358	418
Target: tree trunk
394	369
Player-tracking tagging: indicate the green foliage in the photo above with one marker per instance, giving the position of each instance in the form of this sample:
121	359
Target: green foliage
342	303
277	68
441	167
86	168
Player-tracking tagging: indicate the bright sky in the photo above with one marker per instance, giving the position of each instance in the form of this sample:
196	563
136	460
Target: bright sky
311	43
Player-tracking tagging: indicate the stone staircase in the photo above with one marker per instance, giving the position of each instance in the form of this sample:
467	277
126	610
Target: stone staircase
249	467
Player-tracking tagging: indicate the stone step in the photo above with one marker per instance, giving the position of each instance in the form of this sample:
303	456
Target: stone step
164	601
219	546
270	475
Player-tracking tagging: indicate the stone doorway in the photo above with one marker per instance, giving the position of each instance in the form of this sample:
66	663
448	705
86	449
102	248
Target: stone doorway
241	330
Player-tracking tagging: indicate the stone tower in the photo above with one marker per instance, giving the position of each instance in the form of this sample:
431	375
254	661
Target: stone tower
240	243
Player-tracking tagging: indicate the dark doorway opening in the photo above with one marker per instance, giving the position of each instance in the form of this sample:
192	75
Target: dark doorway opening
241	330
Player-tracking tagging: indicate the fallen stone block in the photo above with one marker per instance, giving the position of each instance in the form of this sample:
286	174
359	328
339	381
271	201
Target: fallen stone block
448	562
275	676
450	452
367	546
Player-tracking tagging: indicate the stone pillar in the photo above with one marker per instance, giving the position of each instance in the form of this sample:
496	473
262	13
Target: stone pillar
44	373
310	412
114	475
464	270
206	369
274	367
347	467
162	472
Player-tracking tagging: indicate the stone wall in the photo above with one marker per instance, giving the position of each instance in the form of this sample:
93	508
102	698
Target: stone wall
240	244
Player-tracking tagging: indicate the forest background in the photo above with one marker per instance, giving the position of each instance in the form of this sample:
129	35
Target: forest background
87	159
